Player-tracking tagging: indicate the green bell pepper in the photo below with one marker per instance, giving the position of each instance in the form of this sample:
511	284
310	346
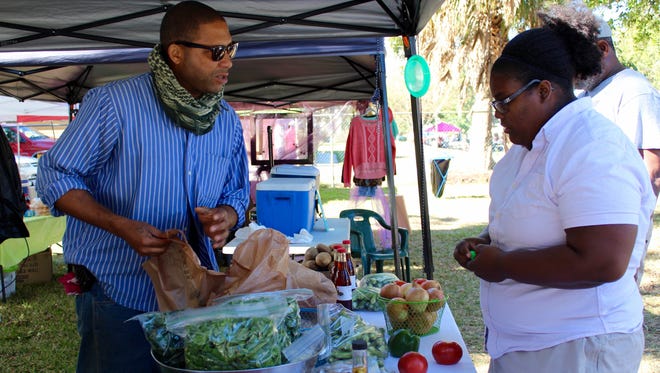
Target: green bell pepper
402	341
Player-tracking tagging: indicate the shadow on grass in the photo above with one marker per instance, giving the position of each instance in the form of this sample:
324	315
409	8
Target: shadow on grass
38	327
651	293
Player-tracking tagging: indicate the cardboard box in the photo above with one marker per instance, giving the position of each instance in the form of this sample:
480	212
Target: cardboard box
36	269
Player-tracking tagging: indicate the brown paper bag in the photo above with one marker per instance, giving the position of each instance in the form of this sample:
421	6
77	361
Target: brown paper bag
262	263
303	277
259	264
179	278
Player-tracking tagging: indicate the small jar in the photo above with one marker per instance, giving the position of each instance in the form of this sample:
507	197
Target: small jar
360	364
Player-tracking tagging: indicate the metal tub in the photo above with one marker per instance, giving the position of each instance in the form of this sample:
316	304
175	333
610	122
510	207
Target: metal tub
303	366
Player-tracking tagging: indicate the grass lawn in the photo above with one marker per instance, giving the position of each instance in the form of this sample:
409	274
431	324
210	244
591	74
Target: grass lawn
38	323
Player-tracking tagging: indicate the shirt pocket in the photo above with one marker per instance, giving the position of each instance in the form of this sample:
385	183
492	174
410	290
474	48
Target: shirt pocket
211	178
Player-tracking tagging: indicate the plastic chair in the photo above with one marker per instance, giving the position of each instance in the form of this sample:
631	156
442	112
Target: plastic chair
363	245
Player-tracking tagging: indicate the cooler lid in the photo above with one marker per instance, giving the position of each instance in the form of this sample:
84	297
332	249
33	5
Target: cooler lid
303	184
295	170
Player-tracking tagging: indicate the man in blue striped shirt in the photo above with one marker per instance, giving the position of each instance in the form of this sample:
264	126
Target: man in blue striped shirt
150	153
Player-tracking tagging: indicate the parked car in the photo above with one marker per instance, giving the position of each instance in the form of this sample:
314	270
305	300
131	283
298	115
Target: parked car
31	142
27	168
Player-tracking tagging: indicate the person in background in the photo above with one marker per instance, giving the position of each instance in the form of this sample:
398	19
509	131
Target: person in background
624	96
628	99
570	204
157	151
12	203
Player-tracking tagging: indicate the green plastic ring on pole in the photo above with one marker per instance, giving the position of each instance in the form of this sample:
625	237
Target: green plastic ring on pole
417	76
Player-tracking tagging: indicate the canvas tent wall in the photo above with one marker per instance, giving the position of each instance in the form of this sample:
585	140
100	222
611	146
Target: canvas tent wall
93	25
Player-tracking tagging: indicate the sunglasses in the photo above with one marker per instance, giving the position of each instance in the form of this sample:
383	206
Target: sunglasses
501	105
217	53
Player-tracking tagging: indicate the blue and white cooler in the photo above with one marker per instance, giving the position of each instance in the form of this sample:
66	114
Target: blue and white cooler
286	204
291	170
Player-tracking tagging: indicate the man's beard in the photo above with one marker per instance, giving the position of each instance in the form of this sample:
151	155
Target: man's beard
588	83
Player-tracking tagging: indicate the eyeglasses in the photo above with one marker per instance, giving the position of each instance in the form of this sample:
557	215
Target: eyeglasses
501	105
217	52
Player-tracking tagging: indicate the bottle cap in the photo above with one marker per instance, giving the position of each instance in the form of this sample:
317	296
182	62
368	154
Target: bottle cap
340	250
359	344
346	242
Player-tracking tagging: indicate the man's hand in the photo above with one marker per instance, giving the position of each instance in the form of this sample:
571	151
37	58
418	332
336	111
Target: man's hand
144	238
217	222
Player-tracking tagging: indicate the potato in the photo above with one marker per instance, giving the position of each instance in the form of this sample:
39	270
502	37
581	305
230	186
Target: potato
323	260
311	264
323	248
311	253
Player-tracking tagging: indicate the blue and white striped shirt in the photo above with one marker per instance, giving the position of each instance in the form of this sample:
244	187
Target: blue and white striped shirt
133	159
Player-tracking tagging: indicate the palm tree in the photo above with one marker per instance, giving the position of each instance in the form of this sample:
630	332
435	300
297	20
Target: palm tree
461	42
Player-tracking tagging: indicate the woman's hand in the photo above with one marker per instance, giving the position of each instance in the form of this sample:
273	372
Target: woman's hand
487	263
462	250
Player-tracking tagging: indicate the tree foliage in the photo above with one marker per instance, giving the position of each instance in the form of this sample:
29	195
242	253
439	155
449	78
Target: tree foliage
464	38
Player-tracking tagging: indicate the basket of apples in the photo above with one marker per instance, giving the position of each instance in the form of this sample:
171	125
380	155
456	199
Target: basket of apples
416	306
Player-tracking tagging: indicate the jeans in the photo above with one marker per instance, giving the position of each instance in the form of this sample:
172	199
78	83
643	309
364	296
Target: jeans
108	343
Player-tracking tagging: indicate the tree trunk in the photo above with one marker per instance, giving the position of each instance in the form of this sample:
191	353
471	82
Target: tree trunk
480	152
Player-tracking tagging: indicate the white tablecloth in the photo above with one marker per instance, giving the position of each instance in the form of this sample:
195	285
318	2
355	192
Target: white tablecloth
448	332
338	230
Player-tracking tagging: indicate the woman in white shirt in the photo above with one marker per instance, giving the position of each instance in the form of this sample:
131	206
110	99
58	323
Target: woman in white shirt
570	206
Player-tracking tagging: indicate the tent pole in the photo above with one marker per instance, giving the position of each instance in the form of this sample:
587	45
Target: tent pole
410	48
387	130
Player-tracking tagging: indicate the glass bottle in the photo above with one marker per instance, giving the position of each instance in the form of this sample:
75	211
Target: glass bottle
346	244
333	267
359	356
342	281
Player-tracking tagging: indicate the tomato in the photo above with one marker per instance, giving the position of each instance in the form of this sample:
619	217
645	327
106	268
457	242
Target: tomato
447	353
419	281
413	362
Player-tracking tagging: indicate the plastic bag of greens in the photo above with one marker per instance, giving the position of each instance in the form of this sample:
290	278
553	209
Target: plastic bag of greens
343	325
236	333
166	346
290	327
367	298
378	280
309	344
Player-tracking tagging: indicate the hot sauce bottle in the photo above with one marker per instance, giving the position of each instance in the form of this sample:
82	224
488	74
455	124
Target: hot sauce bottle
342	281
349	262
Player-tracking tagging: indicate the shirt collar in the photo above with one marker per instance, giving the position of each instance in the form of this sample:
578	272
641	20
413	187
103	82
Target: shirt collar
557	123
602	85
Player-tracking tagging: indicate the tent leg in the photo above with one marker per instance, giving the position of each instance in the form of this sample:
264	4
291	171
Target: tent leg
410	49
387	130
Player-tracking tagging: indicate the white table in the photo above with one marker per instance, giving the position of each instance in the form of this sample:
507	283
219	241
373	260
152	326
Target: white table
448	332
338	230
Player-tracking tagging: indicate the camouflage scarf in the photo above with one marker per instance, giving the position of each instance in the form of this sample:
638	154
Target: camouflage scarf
195	115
